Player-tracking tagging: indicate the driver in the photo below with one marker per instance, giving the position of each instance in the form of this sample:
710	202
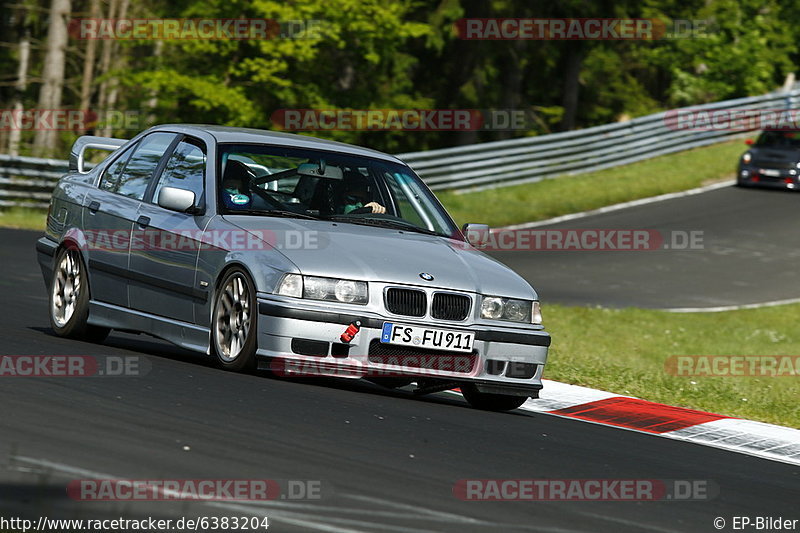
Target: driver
356	196
235	185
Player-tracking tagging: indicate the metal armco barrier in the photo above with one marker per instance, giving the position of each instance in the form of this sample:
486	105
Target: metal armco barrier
530	159
28	181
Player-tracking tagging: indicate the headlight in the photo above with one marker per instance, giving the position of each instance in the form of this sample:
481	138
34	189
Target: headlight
747	157
492	308
509	309
316	288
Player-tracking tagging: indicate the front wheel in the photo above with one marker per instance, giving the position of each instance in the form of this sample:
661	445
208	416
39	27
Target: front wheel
234	322
69	299
490	402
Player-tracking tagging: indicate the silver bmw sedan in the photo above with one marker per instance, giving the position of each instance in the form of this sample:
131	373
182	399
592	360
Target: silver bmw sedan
301	256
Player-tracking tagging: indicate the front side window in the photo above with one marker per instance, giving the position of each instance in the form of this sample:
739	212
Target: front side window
141	166
265	179
185	169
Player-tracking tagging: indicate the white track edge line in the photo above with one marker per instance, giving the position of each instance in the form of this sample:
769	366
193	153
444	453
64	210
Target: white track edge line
623	205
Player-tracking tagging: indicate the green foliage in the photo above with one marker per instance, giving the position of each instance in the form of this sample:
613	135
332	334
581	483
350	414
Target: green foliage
356	58
746	48
385	54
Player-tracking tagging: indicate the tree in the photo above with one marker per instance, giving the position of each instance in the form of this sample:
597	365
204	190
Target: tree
53	73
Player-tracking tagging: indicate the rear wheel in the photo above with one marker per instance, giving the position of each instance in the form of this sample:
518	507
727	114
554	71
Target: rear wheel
490	402
234	322
69	299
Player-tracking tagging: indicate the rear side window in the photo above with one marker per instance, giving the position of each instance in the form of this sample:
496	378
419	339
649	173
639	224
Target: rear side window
111	175
141	166
185	169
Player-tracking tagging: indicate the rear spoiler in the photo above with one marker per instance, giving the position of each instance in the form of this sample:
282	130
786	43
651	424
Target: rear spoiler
76	161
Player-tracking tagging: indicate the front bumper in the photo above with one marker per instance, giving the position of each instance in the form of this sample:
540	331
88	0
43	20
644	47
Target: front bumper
757	175
304	340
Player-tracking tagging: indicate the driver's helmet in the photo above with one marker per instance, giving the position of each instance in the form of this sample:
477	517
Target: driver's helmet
236	185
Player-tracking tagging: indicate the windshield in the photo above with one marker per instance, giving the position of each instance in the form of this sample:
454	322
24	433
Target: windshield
779	138
282	181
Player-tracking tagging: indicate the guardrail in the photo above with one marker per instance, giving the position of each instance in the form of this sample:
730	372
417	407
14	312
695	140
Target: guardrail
28	181
529	159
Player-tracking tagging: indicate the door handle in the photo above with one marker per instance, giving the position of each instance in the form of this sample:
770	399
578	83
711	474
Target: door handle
94	206
143	221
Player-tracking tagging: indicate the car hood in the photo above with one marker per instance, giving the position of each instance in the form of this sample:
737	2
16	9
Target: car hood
341	250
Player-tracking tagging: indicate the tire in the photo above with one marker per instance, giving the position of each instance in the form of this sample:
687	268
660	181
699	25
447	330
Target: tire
69	299
490	402
234	320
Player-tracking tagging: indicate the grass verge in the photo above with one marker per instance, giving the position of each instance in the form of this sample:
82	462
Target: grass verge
555	197
625	350
23	218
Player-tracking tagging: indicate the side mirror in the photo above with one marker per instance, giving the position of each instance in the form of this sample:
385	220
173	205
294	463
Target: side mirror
176	199
477	234
748	142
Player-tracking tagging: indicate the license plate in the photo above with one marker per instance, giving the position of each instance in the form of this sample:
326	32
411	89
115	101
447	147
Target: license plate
772	173
422	337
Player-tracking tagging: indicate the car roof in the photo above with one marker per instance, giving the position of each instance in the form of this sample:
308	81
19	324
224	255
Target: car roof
227	134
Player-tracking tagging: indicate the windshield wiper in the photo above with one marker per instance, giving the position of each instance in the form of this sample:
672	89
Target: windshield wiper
383	222
285	213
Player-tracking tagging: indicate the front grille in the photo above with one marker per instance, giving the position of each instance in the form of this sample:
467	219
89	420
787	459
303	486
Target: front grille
777	164
447	306
409	357
409	302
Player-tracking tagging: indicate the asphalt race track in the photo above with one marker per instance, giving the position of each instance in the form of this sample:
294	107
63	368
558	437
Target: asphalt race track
751	249
385	461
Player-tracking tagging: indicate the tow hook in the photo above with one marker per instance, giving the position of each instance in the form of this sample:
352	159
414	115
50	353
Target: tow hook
351	331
